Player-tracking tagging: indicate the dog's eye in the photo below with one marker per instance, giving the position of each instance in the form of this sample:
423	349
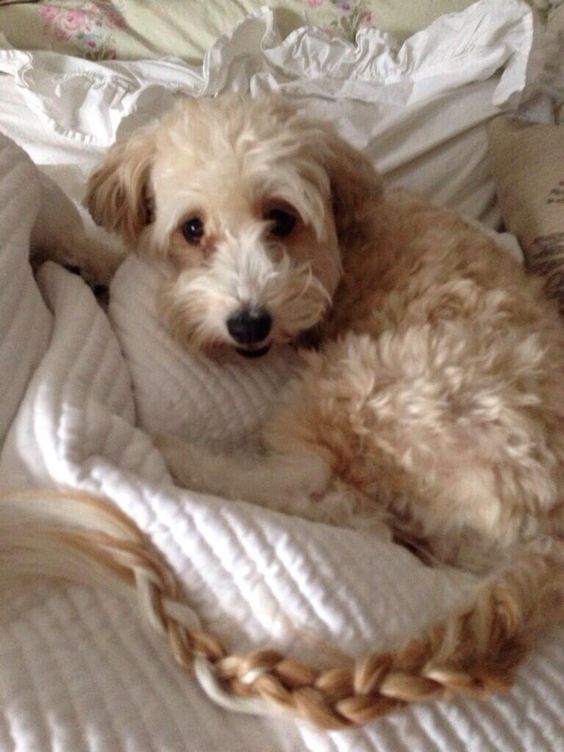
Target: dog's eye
193	230
282	221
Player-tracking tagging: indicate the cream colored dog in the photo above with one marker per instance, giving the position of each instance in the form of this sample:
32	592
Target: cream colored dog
434	398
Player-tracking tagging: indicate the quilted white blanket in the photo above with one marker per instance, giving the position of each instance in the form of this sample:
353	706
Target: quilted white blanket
80	392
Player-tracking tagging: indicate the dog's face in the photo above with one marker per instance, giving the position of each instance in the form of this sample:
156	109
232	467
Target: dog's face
252	205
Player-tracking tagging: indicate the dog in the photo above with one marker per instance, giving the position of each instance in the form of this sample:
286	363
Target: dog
431	399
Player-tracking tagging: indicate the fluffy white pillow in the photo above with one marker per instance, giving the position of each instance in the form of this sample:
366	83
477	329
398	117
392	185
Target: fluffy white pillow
418	109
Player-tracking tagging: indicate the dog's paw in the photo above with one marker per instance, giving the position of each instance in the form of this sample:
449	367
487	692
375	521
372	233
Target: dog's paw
343	506
97	260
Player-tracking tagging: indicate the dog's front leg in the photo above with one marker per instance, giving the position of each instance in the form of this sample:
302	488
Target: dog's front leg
288	483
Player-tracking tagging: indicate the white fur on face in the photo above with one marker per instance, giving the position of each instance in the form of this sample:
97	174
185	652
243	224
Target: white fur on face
244	272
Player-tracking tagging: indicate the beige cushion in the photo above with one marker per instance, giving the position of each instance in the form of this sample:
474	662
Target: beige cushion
555	72
528	166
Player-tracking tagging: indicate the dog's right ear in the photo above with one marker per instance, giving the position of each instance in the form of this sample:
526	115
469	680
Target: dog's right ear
356	185
119	193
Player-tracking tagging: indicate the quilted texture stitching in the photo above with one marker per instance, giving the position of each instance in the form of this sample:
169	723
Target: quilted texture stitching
119	460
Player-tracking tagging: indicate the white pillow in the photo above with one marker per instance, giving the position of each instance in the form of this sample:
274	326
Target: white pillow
419	110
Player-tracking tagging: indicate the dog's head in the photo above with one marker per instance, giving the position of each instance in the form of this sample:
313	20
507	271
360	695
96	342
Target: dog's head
253	205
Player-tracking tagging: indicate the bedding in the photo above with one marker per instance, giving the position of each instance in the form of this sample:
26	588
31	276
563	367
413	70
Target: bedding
555	83
83	391
130	29
528	164
420	110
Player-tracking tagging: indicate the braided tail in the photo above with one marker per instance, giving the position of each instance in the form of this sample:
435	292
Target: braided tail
81	538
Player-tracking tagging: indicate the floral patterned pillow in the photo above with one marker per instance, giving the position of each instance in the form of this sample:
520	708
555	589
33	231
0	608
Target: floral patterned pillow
528	166
133	29
347	15
89	26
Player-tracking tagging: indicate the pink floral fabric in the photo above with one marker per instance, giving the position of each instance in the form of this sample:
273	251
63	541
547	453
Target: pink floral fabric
347	15
87	26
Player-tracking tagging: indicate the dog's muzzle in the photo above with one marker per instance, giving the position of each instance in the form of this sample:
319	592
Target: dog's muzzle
249	329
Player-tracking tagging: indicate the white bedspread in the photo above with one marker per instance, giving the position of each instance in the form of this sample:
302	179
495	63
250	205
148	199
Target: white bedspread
78	389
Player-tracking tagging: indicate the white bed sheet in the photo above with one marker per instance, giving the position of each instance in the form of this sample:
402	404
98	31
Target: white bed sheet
78	670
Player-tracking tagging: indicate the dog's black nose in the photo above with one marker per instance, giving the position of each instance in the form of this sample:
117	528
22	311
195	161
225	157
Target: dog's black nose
249	326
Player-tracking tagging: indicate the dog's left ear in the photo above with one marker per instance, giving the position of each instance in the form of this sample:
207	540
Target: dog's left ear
118	194
356	185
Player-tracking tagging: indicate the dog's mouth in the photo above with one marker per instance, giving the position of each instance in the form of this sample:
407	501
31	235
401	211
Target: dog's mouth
253	351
